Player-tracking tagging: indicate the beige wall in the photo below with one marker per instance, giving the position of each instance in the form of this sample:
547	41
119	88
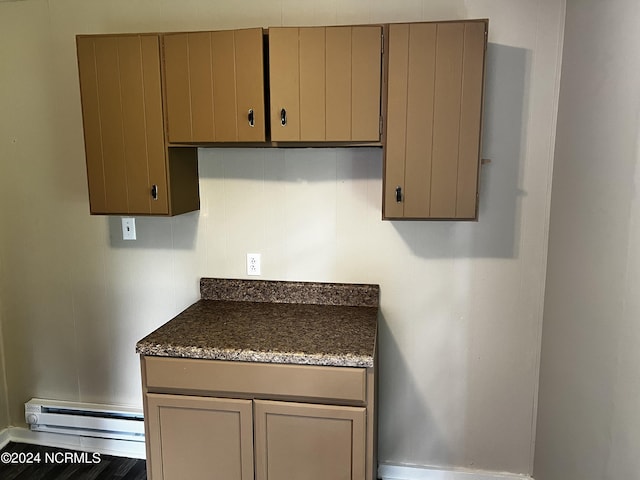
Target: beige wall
461	302
588	422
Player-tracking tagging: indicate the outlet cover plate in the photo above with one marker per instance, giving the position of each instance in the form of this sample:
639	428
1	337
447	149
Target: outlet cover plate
253	264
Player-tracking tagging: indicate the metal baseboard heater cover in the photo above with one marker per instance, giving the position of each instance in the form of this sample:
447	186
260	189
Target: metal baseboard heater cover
85	419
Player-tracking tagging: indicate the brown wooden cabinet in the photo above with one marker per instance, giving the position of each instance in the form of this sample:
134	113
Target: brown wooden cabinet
215	86
296	421
129	168
143	95
325	83
433	119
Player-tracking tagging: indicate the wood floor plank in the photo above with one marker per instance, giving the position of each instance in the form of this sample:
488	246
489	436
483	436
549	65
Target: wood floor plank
109	467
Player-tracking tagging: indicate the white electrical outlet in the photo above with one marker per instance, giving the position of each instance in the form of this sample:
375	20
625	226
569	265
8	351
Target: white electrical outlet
128	228
253	264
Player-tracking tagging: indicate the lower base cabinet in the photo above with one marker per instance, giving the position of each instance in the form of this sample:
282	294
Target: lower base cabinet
213	438
250	422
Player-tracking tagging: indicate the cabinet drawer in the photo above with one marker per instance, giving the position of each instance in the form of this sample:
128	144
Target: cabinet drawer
261	380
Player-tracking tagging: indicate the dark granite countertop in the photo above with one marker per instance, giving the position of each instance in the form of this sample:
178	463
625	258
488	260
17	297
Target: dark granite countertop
273	322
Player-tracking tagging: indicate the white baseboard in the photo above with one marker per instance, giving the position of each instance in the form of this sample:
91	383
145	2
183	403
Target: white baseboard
4	438
401	472
118	448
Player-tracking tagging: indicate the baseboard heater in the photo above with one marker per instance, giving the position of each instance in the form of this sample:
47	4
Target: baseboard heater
85	419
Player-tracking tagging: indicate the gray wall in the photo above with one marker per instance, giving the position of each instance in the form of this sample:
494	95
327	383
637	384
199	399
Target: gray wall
461	303
588	421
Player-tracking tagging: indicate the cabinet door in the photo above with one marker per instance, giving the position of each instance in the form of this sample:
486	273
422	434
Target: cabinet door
325	83
215	86
434	115
123	126
310	442
199	437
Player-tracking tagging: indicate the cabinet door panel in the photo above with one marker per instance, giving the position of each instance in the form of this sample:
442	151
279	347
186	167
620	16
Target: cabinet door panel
470	120
311	442
109	99
178	89
201	99
91	121
366	72
224	86
122	114
328	81
284	83
419	135
434	116
312	83
446	119
397	104
339	83
213	79
198	437
250	84
156	150
133	122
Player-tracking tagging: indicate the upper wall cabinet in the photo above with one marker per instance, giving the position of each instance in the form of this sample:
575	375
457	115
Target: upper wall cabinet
325	83
215	86
149	99
434	116
129	169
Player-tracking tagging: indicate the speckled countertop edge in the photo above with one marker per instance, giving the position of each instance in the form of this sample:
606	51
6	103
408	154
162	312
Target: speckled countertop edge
298	358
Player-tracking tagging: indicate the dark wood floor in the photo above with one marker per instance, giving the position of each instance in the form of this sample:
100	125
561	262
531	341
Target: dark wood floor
49	463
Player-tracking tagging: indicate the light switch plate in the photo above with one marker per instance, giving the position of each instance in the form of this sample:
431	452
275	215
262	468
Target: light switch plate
128	228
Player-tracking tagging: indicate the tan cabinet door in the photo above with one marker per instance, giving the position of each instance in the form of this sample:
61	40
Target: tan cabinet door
199	437
215	86
121	96
434	116
325	83
310	442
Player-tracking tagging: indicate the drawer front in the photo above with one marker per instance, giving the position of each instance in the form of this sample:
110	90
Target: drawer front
260	380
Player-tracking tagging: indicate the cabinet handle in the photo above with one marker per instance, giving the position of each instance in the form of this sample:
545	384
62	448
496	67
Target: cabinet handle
250	118
154	192
283	117
399	194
